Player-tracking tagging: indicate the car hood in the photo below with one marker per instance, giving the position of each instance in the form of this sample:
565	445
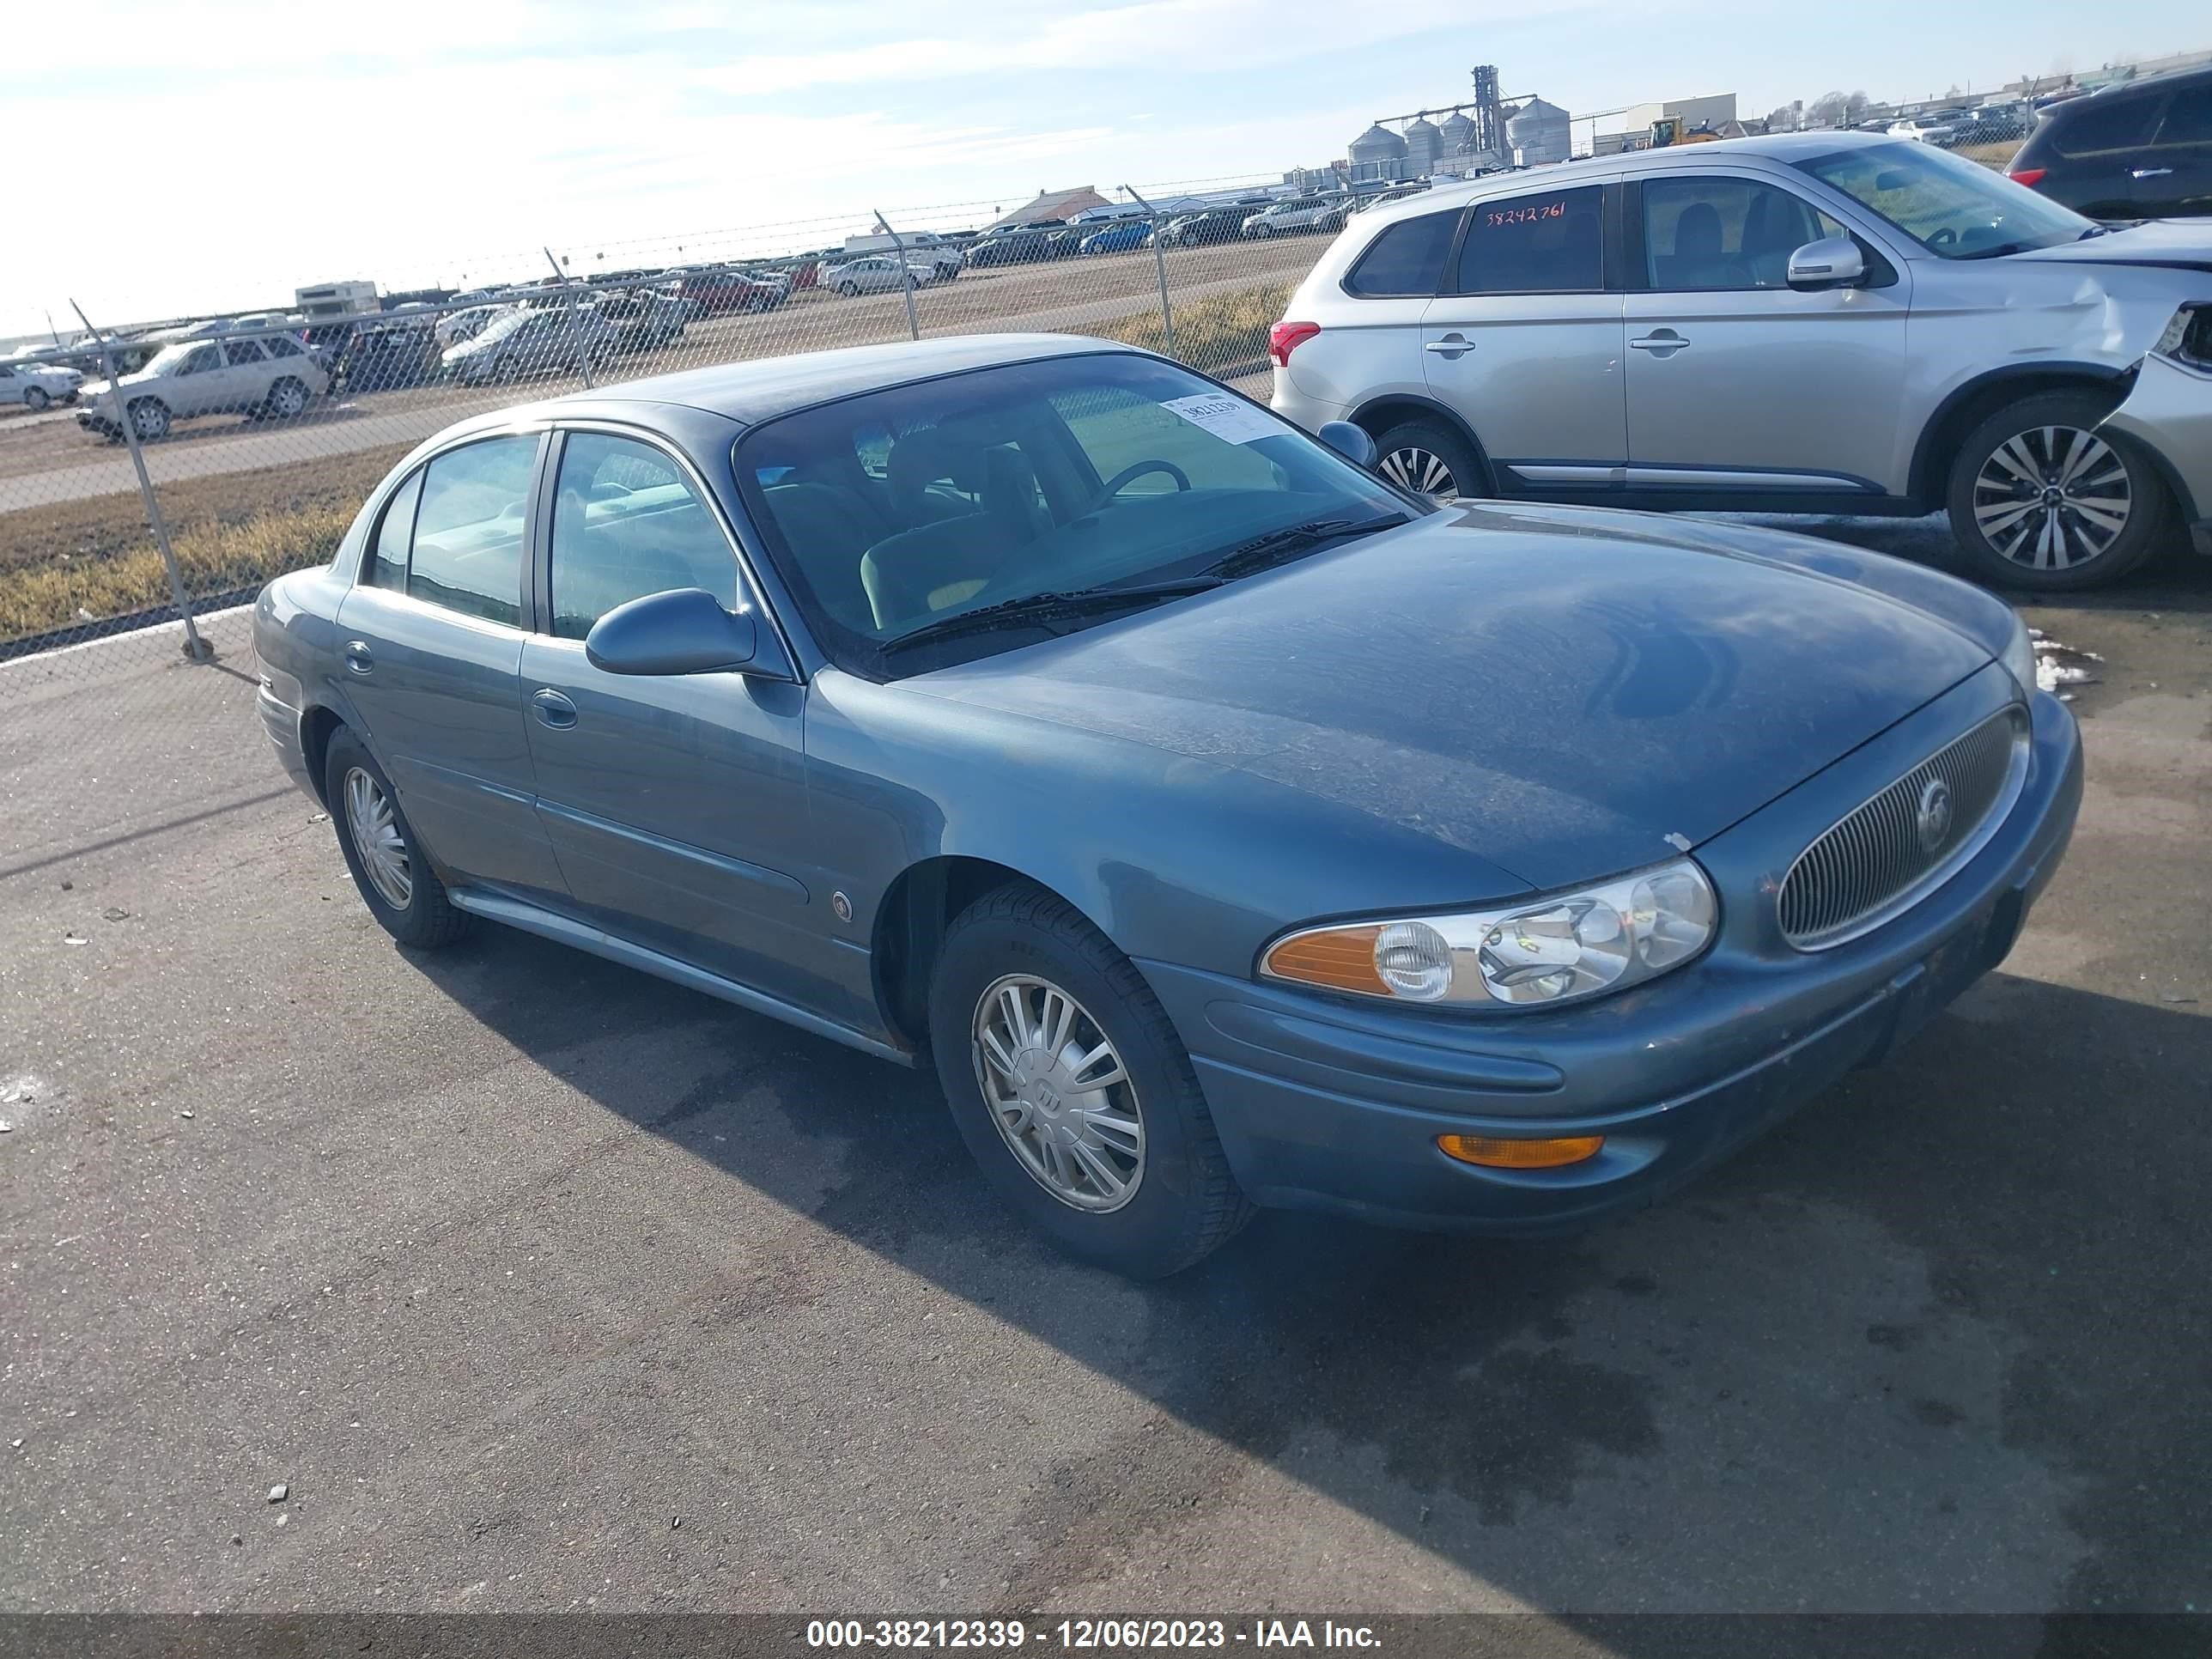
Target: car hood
2184	243
1563	694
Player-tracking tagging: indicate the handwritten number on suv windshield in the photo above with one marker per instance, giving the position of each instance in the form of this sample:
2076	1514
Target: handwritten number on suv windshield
1534	213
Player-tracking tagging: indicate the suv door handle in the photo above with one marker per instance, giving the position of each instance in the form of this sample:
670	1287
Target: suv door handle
554	709
358	658
1452	345
2149	173
1664	340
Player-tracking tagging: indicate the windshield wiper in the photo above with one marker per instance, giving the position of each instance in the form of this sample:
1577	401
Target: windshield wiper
1276	545
1037	608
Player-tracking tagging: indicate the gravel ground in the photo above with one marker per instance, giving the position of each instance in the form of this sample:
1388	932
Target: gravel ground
505	1261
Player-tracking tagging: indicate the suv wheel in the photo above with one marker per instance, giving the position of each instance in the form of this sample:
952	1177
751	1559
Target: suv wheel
1071	1089
149	419
2041	499
35	398
1429	458
287	398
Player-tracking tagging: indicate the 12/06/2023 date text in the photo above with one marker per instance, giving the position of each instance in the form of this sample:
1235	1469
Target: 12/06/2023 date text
1084	1634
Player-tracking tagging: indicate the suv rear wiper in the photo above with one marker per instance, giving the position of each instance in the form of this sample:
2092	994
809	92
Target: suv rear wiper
1261	551
1049	607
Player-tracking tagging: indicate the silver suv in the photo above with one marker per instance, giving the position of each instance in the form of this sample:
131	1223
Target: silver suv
1831	322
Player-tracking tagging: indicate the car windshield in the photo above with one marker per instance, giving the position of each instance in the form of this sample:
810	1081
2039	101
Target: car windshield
1954	207
897	510
165	361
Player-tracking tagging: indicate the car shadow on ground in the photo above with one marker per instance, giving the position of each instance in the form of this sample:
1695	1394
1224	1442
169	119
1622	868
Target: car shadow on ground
1939	1340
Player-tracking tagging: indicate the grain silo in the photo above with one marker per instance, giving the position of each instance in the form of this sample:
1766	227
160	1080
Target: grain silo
1540	132
1423	144
1456	136
1377	152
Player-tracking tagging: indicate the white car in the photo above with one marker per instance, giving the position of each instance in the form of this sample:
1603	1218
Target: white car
532	340
457	327
1307	213
1928	129
876	273
35	385
274	375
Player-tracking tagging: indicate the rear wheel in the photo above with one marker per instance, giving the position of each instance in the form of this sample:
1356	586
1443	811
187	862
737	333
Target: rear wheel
287	398
2041	498
397	882
1071	1089
1429	458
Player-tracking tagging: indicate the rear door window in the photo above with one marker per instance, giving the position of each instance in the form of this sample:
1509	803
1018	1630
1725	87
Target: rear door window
281	345
239	353
467	548
1407	258
387	560
2123	124
1551	242
2188	116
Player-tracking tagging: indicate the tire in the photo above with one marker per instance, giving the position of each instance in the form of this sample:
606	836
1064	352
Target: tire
149	419
1263	232
1181	1201
850	291
2021	510
1430	458
419	916
35	398
288	400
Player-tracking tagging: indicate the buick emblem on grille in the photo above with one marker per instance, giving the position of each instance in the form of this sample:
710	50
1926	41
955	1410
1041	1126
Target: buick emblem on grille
1934	819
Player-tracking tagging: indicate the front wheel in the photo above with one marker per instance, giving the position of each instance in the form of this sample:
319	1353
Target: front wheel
1071	1089
2041	498
849	289
1429	458
35	398
149	420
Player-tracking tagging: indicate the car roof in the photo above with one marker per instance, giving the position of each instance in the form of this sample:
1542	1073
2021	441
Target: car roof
750	392
2145	83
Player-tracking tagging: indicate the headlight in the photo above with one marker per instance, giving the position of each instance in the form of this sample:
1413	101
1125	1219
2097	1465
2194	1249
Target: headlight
2018	657
1533	953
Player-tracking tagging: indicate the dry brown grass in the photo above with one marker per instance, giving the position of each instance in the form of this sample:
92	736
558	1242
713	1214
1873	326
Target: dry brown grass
1219	331
229	530
1992	155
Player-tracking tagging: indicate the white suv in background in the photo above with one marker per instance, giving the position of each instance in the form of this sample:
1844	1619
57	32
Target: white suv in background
1724	327
35	385
273	375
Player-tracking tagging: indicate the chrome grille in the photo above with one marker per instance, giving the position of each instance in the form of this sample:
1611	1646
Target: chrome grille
1878	860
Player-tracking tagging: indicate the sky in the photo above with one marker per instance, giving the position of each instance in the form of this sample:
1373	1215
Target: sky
160	159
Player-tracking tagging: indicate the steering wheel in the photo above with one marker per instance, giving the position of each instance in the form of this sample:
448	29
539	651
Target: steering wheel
1943	237
1129	475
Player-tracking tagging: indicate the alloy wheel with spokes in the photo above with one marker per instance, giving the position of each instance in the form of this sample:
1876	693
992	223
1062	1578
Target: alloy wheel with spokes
2052	497
1058	1093
375	830
1421	470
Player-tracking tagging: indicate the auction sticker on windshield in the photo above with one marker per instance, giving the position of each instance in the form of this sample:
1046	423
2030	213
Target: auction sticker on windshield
1224	416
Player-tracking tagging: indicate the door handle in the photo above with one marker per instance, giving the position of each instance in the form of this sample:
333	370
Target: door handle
1664	340
553	709
2149	173
358	660
1452	345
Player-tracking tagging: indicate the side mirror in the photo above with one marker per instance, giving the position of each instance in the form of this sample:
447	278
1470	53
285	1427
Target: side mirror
1348	440
1832	262
683	631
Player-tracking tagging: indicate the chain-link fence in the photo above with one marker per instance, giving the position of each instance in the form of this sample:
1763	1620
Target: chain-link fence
153	467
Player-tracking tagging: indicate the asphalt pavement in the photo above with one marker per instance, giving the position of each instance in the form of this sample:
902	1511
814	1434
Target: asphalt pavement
541	1285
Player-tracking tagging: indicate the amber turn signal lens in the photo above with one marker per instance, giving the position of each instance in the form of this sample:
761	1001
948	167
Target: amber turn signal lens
1342	959
1497	1154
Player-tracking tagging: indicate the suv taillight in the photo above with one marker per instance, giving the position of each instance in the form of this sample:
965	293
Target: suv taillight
2029	176
1283	339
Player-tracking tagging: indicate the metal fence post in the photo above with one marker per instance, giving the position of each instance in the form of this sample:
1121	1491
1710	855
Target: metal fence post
898	245
196	649
575	337
1160	264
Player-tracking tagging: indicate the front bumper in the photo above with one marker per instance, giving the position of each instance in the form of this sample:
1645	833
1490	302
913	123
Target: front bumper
2169	412
1326	1104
